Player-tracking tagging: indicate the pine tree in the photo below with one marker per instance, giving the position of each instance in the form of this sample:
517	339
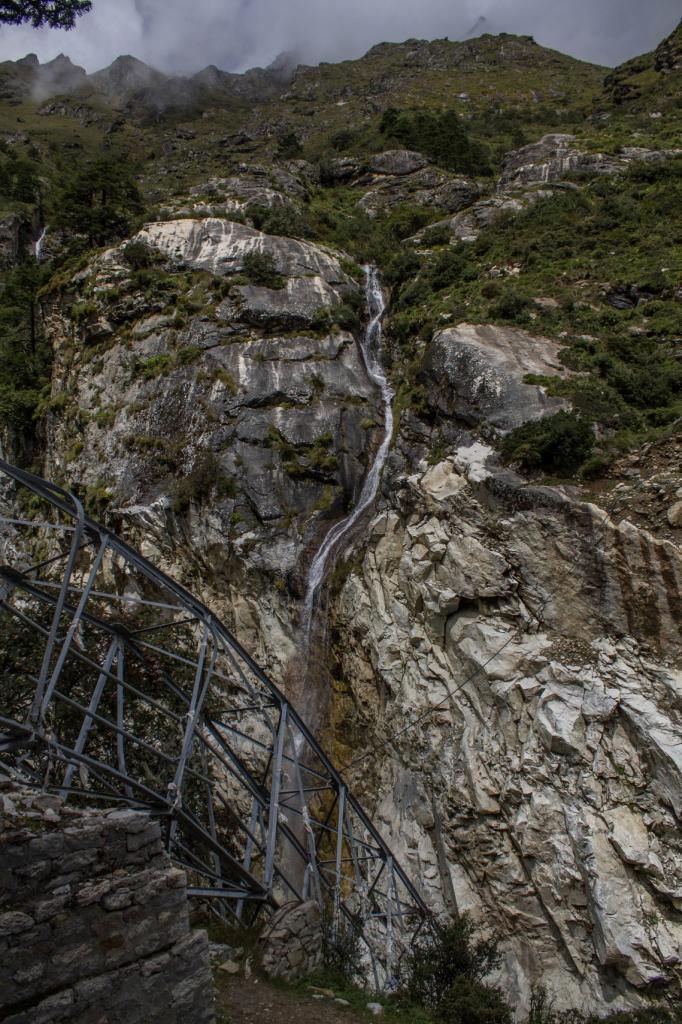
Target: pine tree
101	201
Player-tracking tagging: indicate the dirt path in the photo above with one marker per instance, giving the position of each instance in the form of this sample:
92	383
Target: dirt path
255	1001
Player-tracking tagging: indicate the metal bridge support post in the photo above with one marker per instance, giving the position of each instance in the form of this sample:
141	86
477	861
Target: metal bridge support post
390	900
38	701
45	690
340	819
88	720
275	786
201	682
120	719
248	853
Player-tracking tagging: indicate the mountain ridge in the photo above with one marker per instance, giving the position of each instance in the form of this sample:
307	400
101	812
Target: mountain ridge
127	75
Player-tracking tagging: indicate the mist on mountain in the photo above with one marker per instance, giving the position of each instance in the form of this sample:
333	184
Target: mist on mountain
237	34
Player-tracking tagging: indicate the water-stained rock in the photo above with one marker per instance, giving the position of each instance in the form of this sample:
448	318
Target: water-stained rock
220	246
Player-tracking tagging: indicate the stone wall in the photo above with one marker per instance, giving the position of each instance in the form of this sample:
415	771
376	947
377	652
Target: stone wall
94	923
292	946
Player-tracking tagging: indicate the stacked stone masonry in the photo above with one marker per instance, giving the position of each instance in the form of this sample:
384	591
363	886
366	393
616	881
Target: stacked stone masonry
94	923
292	946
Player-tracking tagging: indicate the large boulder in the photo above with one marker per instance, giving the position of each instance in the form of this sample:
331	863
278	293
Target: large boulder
397	161
476	372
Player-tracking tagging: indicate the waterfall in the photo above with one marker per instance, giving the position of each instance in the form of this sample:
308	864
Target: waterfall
370	347
38	248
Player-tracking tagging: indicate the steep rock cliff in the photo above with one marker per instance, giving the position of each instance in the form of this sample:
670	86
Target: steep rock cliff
509	658
267	420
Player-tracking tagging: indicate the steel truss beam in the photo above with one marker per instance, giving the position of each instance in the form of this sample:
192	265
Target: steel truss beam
119	686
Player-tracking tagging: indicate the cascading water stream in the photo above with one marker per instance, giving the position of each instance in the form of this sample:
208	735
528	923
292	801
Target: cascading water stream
311	697
370	347
38	247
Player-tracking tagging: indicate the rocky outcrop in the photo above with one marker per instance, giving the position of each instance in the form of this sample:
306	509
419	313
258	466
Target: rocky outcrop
402	176
251	189
508	658
554	156
219	246
428	187
476	373
93	919
668	56
468	224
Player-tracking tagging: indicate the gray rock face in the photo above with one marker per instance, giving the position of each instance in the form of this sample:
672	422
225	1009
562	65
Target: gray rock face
342	169
542	794
277	421
219	246
427	187
296	305
540	640
468	224
553	156
402	176
397	162
476	372
291	948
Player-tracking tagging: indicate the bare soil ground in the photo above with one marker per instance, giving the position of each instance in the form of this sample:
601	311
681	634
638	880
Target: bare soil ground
254	1001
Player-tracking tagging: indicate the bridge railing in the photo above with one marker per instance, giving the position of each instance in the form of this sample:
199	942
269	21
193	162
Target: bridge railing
117	685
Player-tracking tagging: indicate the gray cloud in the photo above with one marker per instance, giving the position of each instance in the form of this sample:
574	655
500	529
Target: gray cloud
186	35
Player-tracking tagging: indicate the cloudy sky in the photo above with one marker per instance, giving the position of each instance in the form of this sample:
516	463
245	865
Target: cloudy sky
187	35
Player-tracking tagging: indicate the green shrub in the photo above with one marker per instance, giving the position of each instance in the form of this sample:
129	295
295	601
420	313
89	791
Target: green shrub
448	955
289	147
155	366
82	311
511	306
596	467
556	444
278	220
342	953
138	256
441	135
542	1011
472	1002
260	269
438	234
205	478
